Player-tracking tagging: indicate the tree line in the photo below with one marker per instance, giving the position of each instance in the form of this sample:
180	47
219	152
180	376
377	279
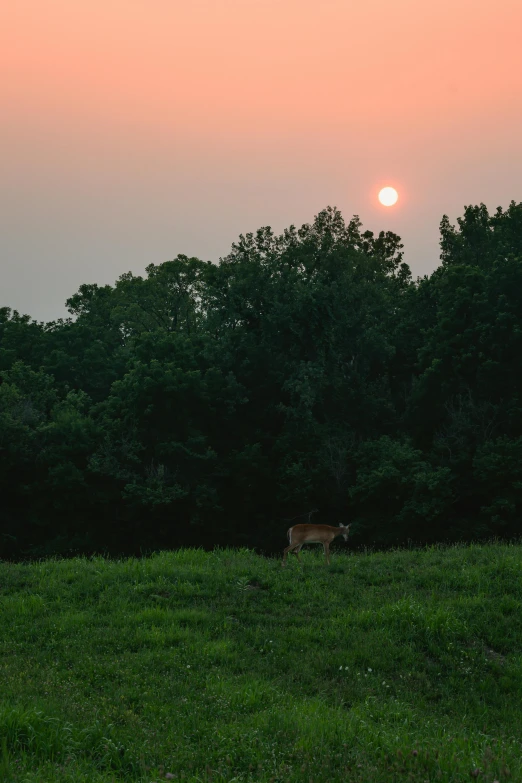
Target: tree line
216	404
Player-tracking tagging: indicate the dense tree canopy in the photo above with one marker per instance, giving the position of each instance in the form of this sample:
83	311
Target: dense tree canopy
210	404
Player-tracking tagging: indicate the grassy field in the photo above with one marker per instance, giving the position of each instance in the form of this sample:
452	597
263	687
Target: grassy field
197	666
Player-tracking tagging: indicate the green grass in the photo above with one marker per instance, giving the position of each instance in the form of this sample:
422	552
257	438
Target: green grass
399	666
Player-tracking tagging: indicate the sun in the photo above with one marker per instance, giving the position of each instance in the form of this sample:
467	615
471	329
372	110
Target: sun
388	196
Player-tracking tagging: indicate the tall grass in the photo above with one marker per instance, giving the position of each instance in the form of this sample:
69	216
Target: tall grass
196	666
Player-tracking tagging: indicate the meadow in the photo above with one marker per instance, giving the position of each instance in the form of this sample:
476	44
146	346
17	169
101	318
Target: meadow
222	666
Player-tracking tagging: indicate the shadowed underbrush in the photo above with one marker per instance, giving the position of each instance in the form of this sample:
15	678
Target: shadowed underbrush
196	666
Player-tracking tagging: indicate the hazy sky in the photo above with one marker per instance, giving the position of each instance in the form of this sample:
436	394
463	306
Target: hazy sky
134	130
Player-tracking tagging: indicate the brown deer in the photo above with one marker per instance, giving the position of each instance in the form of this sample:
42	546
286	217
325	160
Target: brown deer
313	534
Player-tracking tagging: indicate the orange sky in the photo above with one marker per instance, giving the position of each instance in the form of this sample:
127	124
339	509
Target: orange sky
136	129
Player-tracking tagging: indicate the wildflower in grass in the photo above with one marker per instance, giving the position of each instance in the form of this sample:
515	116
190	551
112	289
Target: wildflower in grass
169	776
369	670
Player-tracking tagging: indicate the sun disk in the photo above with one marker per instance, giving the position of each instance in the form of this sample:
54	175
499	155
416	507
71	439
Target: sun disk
388	196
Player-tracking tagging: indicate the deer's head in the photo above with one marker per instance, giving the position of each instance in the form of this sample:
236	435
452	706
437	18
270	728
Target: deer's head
345	529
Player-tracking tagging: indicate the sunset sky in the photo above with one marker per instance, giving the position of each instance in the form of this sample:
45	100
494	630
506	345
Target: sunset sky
134	130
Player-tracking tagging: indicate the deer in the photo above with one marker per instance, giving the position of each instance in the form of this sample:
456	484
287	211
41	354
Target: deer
313	534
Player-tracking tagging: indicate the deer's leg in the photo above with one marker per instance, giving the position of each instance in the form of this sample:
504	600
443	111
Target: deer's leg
286	551
296	552
326	546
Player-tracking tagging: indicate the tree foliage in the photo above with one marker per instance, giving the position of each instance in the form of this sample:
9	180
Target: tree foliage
208	404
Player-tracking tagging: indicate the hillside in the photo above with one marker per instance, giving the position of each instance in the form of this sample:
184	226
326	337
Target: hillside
197	666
